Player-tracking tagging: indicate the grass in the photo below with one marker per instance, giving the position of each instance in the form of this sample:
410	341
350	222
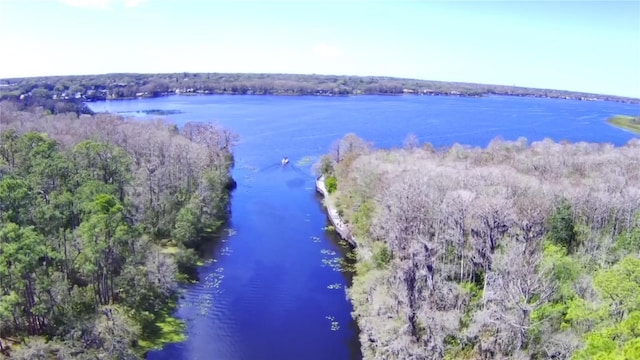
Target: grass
631	123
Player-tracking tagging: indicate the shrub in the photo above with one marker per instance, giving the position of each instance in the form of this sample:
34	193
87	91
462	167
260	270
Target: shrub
331	183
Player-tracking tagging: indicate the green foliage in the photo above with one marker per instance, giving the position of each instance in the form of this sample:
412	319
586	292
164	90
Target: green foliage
187	225
16	198
166	329
474	293
472	289
618	317
455	350
362	218
565	269
331	183
620	341
381	254
561	228
77	275
619	286
628	242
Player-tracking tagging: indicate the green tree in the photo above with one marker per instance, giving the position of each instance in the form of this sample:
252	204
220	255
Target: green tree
619	286
561	228
105	236
24	257
8	147
332	184
16	201
618	333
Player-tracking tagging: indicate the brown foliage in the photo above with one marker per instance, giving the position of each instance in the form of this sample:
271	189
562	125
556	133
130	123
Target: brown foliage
476	217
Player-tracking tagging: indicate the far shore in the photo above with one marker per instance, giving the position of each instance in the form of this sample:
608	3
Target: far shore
123	86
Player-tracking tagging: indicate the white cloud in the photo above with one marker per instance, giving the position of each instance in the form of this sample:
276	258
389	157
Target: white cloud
102	4
326	50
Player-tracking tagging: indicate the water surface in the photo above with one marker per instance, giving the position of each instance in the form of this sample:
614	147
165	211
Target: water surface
270	290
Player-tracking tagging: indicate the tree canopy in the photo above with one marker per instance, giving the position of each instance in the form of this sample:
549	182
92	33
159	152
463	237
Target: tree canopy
87	213
516	251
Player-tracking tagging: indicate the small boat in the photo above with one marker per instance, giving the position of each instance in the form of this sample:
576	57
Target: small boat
285	160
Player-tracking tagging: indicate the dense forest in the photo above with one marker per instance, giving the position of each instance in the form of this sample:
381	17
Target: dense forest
515	251
60	94
100	219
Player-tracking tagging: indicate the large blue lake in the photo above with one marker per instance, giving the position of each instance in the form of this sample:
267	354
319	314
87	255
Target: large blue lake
270	288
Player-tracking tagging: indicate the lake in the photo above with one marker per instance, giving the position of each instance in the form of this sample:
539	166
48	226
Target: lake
272	287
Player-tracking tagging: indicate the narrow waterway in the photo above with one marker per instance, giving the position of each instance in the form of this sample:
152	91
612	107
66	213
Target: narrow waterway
273	286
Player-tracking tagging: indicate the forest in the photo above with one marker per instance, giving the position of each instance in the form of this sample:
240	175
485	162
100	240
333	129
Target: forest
60	94
514	251
100	219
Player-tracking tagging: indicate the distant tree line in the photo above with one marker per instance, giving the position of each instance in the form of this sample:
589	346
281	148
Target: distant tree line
100	218
516	251
59	89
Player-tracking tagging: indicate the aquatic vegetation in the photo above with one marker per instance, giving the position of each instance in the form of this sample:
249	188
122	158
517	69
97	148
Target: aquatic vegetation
249	168
214	279
306	160
344	244
335	326
327	252
329	228
338	264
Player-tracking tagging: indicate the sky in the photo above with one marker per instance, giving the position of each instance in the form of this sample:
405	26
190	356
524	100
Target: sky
568	45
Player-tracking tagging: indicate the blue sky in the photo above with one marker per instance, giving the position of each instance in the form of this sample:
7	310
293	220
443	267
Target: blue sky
570	45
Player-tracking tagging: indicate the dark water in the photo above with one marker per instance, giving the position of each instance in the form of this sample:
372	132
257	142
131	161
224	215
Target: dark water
268	288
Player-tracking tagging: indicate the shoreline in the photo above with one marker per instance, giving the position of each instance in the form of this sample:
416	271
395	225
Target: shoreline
332	213
125	86
430	94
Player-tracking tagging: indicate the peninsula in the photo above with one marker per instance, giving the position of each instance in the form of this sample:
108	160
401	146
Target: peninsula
631	123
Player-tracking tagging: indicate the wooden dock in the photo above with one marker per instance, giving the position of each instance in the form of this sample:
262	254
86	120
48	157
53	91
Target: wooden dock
341	228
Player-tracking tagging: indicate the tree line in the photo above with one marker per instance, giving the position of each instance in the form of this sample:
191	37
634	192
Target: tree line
53	92
100	219
514	251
